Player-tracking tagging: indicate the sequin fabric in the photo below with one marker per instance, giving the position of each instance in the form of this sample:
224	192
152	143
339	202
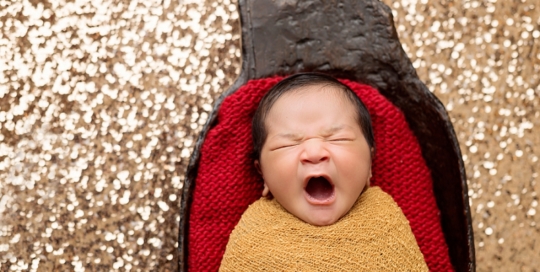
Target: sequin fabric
101	103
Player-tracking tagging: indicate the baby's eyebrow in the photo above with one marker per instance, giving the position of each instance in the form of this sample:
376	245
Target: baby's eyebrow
290	136
298	137
333	129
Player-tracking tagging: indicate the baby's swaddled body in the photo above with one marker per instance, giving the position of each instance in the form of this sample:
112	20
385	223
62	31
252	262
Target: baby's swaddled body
373	236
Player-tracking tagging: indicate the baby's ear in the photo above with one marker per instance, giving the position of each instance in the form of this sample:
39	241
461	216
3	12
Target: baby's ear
265	190
370	173
258	166
369	178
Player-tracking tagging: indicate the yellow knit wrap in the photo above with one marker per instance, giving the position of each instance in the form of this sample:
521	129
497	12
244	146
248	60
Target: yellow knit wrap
373	236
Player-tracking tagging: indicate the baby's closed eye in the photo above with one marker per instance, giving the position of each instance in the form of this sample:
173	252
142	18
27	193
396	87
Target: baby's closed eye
288	145
283	146
341	140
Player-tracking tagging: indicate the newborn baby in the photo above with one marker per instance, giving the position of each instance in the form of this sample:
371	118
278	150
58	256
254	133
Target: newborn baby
313	145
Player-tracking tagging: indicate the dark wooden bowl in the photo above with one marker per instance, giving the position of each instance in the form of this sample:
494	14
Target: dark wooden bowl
356	40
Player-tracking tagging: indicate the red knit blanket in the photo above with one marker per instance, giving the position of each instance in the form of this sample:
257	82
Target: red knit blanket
227	183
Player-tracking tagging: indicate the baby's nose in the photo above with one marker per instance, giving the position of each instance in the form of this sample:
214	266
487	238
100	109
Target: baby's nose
314	151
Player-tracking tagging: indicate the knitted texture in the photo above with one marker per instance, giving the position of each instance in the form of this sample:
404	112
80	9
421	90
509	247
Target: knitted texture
373	236
227	182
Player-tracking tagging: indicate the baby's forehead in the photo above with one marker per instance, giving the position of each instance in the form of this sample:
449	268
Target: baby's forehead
326	98
316	89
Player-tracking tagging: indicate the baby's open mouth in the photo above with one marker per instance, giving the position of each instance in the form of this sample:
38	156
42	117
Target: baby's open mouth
319	189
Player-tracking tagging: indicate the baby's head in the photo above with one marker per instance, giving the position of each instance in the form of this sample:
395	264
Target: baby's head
313	144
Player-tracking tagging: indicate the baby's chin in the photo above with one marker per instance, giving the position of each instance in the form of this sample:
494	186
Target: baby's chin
321	217
321	222
312	214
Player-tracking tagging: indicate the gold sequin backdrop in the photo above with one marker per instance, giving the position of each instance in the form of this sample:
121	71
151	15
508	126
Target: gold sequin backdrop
101	102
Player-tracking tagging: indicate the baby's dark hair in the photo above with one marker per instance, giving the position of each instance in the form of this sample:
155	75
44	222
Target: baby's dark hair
295	82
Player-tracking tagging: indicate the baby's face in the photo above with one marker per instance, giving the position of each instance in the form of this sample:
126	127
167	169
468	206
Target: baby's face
315	160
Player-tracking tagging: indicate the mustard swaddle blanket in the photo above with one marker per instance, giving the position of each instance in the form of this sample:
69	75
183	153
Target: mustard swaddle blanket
373	236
